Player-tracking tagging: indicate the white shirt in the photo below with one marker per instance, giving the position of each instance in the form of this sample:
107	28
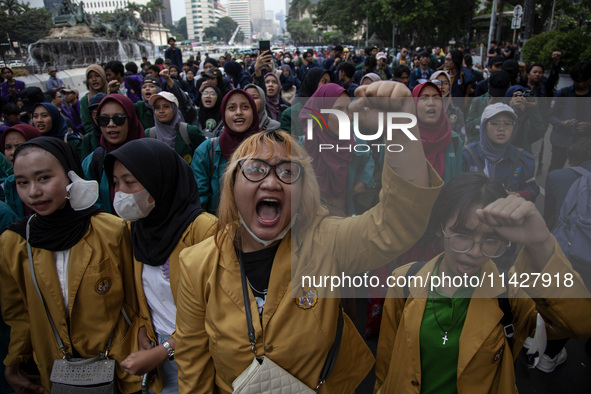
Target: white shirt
156	284
62	262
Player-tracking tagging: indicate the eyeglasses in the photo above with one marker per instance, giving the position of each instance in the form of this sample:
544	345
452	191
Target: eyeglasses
490	247
104	120
448	59
255	170
212	94
439	82
507	124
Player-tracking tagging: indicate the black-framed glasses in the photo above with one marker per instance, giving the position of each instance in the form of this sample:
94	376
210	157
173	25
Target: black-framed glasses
104	120
255	170
490	247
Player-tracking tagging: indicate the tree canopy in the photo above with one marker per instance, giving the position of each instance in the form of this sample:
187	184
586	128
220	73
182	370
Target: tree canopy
25	26
431	21
301	31
223	30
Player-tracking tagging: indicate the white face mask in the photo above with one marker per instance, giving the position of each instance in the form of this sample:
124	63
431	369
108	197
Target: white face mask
279	236
134	206
287	60
81	193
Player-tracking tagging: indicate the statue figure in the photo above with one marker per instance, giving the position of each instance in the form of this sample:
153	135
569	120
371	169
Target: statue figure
69	14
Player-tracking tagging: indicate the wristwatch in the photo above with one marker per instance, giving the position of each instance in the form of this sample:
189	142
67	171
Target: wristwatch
169	350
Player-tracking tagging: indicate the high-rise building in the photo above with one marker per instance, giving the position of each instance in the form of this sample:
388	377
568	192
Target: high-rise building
220	11
167	12
96	6
280	16
200	15
239	10
257	9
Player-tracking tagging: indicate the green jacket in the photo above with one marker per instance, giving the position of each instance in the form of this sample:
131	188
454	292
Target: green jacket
89	143
144	114
453	157
180	146
85	115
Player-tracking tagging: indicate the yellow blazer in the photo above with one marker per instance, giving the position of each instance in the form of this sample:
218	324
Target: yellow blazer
100	283
297	333
201	228
486	361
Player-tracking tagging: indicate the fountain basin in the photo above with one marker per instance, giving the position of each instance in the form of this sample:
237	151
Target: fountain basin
69	53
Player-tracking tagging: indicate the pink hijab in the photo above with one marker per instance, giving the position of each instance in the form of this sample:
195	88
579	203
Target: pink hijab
331	167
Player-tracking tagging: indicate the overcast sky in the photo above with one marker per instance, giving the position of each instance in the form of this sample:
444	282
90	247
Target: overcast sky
178	7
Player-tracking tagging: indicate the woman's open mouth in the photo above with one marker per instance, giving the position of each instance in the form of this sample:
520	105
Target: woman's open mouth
268	211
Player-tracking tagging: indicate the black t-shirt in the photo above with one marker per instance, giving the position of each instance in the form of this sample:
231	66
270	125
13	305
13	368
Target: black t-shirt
257	266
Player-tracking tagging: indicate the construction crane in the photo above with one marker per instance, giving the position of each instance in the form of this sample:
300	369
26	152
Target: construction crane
231	42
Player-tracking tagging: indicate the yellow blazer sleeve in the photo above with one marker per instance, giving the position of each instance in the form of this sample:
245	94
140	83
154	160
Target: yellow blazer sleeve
12	298
565	305
195	365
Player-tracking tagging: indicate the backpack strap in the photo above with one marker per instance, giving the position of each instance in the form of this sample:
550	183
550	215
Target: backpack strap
184	131
96	165
412	271
473	156
212	147
581	171
507	319
507	181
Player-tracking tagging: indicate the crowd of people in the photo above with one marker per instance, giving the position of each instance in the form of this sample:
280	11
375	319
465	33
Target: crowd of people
173	201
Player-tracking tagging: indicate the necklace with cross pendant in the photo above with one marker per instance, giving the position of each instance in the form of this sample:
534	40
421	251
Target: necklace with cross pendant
445	339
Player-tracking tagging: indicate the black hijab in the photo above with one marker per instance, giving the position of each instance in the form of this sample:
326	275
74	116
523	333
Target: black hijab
65	227
211	113
310	82
170	181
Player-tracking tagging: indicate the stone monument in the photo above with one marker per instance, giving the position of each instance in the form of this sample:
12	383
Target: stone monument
79	39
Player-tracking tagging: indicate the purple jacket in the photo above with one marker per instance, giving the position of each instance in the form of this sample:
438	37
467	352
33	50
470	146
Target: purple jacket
5	95
133	84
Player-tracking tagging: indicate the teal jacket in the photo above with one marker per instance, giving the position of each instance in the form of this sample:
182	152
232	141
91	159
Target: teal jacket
453	157
104	200
7	216
208	165
180	146
12	197
5	172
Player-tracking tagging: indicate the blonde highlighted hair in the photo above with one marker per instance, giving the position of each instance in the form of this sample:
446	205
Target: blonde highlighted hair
278	142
